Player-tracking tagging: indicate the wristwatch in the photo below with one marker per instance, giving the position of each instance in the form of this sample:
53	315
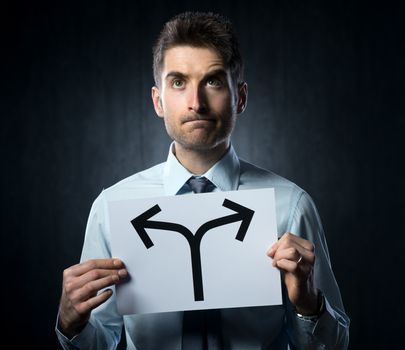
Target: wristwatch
315	317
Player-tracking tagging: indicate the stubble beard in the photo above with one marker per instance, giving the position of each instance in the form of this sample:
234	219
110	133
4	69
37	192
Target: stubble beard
204	140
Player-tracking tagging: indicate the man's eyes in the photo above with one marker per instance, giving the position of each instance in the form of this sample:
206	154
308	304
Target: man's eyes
214	82
211	82
177	83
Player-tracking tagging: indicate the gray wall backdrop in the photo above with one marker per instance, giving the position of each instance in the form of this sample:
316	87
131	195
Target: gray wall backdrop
325	110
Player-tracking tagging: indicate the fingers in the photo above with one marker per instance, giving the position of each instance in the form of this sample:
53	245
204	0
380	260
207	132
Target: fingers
90	284
105	264
288	239
295	257
82	284
79	275
104	278
83	281
74	316
91	303
291	253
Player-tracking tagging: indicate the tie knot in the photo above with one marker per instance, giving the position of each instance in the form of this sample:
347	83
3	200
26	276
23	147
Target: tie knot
200	184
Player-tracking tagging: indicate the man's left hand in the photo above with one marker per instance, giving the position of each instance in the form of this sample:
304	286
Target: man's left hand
295	257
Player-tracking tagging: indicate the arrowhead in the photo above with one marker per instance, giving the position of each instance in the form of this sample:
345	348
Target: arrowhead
246	216
139	224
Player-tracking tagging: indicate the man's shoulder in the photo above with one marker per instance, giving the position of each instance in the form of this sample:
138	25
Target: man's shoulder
256	176
141	184
291	200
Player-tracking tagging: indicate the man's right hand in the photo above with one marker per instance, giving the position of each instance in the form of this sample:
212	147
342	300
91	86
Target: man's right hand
80	291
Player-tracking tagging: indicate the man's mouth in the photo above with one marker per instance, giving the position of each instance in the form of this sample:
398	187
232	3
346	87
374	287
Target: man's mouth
199	119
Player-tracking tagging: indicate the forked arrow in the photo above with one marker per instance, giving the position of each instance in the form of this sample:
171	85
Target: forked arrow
142	222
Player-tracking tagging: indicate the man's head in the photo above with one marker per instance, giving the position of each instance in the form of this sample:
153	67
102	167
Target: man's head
199	29
199	89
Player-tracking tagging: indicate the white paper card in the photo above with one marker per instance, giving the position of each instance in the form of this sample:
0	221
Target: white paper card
197	251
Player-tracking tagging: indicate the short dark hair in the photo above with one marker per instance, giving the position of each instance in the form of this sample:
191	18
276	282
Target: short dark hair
199	29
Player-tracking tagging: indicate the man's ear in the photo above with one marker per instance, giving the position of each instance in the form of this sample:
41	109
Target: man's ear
242	97
157	103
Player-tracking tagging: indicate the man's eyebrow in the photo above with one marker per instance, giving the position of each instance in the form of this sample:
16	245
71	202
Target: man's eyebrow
175	74
215	72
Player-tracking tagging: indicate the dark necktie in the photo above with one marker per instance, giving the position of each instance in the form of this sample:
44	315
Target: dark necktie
200	184
201	328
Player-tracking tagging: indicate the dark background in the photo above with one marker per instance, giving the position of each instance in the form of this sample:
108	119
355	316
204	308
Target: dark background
325	110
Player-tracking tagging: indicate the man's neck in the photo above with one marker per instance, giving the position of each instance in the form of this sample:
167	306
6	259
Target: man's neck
198	161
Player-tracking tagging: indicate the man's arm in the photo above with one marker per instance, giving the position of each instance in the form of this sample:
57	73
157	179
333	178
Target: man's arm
315	321
87	317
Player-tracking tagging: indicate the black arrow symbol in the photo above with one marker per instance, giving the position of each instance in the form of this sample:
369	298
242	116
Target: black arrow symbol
243	214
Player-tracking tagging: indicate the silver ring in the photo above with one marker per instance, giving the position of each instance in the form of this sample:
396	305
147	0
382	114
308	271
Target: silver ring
299	260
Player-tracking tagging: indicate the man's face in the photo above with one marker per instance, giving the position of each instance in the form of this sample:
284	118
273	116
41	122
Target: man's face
197	99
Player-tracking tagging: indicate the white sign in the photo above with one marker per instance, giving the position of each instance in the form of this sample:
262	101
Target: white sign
196	251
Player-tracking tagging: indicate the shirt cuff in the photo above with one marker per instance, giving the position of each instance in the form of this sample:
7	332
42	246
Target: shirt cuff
327	324
318	334
84	338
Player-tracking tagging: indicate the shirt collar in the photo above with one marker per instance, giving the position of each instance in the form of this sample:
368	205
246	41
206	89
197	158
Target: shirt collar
224	174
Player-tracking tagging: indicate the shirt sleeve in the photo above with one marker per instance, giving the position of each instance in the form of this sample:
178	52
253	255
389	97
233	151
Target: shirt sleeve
331	330
103	330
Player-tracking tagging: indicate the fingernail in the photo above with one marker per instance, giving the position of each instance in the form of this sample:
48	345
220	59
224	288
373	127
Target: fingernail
123	273
115	278
117	262
270	250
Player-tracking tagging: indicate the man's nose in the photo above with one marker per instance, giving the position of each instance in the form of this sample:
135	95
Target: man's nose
198	100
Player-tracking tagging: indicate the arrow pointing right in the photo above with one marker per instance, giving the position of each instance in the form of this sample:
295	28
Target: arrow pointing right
242	214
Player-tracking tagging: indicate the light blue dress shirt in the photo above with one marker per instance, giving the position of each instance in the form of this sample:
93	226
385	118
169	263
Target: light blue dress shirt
270	327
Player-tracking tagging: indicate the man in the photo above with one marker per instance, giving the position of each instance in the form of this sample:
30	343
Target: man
199	92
